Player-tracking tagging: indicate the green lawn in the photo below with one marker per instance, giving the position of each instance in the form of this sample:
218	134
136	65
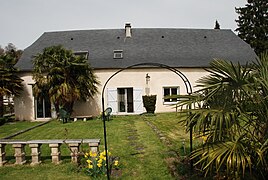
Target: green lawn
13	127
143	155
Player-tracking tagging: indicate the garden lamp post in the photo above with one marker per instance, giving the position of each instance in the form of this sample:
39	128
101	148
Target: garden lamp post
147	88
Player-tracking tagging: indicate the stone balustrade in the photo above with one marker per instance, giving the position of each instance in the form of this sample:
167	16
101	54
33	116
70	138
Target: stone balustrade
35	146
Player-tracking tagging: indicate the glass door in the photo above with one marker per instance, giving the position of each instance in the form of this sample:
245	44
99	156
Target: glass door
42	107
125	99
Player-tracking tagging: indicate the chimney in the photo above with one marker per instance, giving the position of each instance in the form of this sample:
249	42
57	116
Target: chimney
128	30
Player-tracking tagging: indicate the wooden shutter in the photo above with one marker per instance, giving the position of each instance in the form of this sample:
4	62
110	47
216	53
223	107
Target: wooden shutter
112	100
137	98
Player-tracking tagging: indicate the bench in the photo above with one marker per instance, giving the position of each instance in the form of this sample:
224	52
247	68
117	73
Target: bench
82	117
54	144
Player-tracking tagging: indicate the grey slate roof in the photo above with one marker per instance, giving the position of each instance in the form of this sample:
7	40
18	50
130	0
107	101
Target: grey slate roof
172	47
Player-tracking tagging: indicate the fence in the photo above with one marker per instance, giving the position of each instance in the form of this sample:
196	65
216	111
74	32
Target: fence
35	146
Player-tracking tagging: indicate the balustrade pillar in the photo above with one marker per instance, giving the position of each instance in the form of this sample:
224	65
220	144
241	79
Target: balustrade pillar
93	144
55	152
2	154
19	153
75	149
35	153
94	147
74	145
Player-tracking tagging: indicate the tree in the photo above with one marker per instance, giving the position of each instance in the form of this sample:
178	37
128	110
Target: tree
10	83
217	25
13	51
64	76
1	51
230	113
253	24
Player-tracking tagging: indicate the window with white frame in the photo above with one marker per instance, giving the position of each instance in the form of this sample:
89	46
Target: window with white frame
83	54
171	91
118	54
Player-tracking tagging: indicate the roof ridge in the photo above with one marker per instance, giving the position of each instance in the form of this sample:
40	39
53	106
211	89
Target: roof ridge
159	28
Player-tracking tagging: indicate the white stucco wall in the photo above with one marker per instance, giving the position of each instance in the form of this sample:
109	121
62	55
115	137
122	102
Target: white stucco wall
159	78
132	78
24	103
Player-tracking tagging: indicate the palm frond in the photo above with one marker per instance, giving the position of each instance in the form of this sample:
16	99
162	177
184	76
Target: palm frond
232	155
231	109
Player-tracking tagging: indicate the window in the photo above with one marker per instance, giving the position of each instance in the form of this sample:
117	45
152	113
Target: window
169	91
81	53
118	54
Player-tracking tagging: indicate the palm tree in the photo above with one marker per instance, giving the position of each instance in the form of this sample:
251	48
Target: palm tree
65	77
10	83
230	110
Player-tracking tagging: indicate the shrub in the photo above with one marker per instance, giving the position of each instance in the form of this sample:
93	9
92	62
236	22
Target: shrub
149	103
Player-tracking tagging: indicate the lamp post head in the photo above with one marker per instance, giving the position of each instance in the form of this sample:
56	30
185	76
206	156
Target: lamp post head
147	77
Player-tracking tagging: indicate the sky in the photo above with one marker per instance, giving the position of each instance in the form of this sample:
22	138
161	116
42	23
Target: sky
24	21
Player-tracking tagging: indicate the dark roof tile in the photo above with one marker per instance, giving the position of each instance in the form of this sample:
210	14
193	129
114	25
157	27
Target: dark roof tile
172	47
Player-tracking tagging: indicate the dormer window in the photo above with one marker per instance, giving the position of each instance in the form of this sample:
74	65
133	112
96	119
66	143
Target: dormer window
81	53
118	54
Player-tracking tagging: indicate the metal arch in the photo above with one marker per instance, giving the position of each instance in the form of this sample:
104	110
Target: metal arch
179	73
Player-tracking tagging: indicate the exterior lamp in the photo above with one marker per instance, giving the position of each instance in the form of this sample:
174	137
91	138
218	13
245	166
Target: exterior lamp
147	77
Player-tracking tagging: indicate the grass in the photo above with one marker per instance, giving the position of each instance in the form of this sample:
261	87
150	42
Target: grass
168	124
13	127
142	153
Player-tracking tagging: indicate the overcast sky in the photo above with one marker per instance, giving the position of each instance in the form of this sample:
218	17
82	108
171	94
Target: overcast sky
23	21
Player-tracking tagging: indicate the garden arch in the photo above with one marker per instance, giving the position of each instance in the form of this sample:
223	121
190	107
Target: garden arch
176	71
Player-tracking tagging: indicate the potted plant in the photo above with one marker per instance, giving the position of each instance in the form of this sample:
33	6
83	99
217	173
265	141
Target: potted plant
149	102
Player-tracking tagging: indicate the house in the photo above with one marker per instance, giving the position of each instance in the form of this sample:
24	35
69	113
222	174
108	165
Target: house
109	50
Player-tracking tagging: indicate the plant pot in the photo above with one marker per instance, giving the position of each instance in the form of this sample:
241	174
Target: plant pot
149	103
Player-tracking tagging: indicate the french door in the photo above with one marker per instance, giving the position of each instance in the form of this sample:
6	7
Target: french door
125	100
42	107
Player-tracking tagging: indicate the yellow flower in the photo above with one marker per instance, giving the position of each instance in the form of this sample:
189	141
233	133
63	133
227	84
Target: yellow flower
90	166
86	155
101	156
89	161
116	163
99	164
92	154
100	161
204	138
104	153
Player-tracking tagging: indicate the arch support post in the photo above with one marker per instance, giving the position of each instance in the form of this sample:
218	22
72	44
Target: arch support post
105	137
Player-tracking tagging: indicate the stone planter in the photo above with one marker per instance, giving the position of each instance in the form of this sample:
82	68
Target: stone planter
149	103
